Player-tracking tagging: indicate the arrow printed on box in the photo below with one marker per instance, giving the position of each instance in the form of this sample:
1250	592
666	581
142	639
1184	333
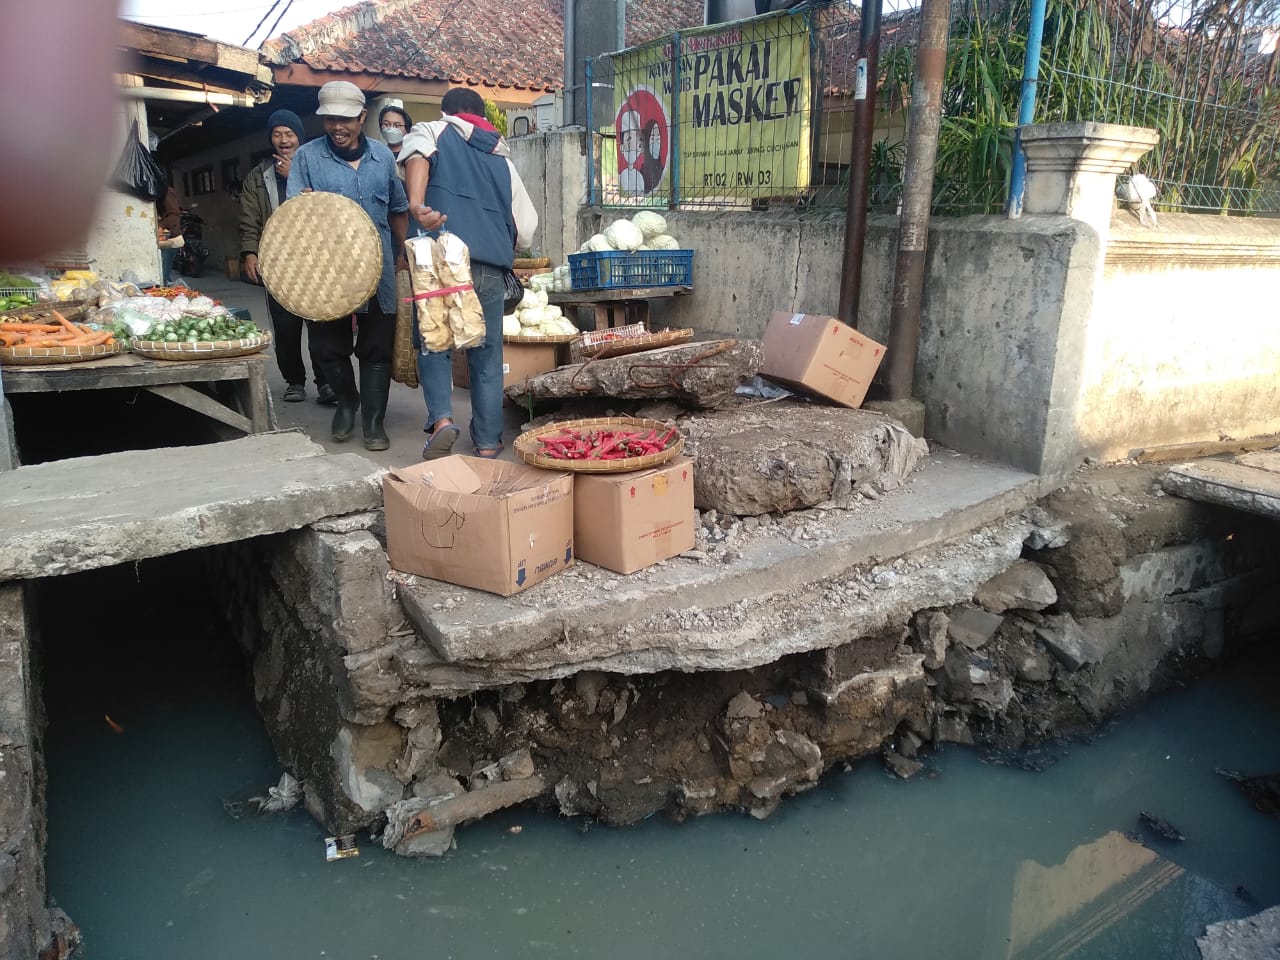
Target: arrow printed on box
520	576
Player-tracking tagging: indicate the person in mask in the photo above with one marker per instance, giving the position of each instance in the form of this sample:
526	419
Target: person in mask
394	123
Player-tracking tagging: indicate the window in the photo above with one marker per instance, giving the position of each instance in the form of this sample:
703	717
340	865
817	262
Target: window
201	181
520	127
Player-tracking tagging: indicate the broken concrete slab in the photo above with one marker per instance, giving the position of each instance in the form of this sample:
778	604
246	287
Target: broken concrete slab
1252	485
776	596
757	458
971	627
931	637
1072	645
702	374
72	515
1024	586
1248	938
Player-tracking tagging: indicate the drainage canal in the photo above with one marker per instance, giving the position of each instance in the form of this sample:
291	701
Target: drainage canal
152	730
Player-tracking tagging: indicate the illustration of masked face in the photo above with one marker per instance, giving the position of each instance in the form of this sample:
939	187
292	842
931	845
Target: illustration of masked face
631	146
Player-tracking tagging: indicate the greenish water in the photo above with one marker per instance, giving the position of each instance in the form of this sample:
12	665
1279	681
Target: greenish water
983	861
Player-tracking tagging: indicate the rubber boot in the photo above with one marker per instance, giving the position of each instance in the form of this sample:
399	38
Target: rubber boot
375	386
343	381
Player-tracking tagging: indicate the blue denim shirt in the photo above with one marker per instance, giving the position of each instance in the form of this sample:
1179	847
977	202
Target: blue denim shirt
374	186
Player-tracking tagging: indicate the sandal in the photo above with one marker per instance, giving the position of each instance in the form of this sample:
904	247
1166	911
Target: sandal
441	441
493	454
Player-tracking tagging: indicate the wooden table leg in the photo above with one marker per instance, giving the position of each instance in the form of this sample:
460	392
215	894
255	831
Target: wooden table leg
261	413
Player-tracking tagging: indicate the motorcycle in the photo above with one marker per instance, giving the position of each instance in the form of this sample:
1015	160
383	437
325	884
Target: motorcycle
193	253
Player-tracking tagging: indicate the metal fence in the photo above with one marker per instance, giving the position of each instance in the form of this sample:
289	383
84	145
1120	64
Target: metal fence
1205	76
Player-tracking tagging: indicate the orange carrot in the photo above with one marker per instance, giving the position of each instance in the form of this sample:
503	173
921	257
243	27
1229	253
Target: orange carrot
67	324
9	327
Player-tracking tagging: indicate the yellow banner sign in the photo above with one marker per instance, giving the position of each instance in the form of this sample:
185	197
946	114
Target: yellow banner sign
739	126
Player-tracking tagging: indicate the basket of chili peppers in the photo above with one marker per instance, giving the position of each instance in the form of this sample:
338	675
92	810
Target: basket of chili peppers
600	445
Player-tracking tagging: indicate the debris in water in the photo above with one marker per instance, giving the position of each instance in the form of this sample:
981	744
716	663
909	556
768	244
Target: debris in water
285	795
340	848
515	829
112	724
1160	826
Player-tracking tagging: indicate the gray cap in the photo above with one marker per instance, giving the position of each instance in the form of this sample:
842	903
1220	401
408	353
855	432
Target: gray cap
340	98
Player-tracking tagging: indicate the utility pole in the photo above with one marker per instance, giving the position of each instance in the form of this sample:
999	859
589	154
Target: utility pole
864	122
917	196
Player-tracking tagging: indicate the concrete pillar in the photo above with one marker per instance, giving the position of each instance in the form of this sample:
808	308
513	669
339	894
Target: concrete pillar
1072	167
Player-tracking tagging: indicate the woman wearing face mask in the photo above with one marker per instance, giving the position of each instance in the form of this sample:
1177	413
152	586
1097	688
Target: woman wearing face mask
395	123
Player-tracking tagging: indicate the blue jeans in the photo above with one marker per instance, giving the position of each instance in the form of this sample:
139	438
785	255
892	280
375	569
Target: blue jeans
435	369
167	256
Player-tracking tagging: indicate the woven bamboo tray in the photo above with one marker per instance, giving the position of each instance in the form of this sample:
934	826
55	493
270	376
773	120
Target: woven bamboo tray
202	349
527	448
567	338
404	357
532	263
320	256
43	312
581	351
44	356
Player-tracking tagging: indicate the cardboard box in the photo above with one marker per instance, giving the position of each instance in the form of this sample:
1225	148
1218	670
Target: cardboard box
519	360
487	524
628	521
821	355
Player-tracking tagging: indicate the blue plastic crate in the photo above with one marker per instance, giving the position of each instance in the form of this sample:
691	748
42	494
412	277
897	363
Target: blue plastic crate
618	269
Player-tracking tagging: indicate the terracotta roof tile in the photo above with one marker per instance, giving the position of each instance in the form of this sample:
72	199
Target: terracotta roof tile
461	41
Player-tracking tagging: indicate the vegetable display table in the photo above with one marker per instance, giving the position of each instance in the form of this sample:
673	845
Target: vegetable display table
617	308
249	411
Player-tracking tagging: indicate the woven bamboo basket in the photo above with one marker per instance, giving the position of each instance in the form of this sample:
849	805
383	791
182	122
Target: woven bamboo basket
45	356
532	263
527	447
581	351
404	359
201	349
320	256
43	312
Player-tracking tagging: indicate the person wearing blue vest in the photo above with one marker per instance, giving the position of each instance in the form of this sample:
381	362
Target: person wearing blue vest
458	169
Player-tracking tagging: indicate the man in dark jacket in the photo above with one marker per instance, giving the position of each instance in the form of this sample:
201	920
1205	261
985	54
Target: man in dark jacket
459	169
262	193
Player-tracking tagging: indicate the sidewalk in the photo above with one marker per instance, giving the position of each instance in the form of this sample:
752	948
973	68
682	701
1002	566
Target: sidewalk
406	410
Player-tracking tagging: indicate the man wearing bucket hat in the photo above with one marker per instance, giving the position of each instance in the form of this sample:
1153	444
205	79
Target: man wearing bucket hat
347	162
264	190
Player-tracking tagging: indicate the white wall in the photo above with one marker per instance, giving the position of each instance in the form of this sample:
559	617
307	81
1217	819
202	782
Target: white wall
1183	343
553	168
122	237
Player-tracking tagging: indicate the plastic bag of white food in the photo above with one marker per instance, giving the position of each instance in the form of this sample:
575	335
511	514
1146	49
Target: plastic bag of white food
201	307
466	316
432	312
511	325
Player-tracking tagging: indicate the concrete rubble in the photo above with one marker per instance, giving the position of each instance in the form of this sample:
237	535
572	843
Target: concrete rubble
701	374
1249	938
756	459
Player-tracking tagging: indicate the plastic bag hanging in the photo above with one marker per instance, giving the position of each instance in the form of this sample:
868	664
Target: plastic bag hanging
136	173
